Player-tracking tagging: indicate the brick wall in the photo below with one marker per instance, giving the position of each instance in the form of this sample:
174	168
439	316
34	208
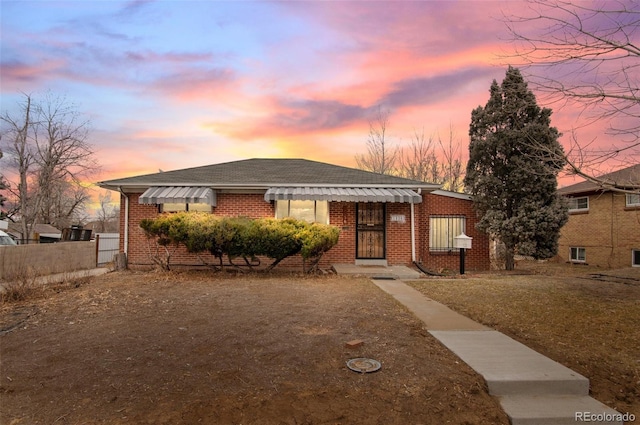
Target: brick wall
399	234
341	214
476	258
608	231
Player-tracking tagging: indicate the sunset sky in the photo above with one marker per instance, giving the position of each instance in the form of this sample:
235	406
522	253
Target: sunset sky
176	84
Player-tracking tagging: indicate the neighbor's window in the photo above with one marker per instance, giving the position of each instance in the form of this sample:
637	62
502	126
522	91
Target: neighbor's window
311	211
578	255
176	207
442	230
579	204
633	200
635	257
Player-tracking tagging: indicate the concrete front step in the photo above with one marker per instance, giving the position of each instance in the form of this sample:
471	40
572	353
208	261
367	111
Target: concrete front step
557	410
373	271
511	368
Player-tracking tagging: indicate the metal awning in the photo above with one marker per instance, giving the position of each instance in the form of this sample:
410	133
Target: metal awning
178	195
342	194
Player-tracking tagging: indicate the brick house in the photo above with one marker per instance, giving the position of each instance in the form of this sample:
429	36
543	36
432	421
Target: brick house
384	220
604	225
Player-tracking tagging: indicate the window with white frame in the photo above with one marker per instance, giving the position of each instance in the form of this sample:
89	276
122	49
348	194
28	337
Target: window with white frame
578	255
635	257
311	211
633	199
579	204
177	207
443	229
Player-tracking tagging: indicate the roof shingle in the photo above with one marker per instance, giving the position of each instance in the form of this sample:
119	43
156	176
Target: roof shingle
624	178
263	172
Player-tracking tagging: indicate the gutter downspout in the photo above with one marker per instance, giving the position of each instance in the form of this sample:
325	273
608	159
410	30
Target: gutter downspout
413	231
126	222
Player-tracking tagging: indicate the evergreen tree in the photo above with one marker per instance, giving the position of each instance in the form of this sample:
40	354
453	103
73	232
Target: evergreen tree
513	168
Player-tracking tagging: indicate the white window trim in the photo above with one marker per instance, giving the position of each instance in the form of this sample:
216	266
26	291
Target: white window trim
632	204
577	260
579	209
633	256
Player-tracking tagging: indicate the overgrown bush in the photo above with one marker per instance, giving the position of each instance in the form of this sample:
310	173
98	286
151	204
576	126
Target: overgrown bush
240	237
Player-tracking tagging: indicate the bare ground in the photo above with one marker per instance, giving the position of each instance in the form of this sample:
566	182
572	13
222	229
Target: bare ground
151	348
584	317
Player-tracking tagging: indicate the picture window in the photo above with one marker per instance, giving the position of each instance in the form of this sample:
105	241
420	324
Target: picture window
311	211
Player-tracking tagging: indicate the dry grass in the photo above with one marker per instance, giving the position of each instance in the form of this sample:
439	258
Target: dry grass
586	319
188	348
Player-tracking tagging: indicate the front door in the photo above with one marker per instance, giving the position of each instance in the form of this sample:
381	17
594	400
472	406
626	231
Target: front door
370	230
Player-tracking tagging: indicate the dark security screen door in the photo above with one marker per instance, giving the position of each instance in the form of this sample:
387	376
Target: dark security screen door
370	232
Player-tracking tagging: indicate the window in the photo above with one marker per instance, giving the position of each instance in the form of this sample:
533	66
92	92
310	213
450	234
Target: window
311	211
579	204
176	207
578	255
442	230
635	257
633	200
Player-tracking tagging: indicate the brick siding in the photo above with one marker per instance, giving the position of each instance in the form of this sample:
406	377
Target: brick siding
341	214
609	231
476	259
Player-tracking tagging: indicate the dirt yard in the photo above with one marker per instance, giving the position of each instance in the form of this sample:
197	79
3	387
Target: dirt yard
152	348
583	317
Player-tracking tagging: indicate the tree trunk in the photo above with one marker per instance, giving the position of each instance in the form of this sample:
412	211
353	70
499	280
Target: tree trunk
509	253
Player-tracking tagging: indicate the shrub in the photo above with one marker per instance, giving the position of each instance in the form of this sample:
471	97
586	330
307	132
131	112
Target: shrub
240	237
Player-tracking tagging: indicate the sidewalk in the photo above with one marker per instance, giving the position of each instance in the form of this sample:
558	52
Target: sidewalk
61	277
532	388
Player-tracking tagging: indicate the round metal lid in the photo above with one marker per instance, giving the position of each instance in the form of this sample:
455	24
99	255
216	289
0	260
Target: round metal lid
363	365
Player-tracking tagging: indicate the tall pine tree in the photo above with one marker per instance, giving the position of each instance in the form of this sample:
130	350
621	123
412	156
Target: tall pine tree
513	168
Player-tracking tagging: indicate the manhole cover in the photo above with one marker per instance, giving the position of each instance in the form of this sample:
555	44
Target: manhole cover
363	365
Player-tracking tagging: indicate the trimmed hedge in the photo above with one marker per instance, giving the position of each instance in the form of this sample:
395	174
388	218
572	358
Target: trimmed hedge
240	237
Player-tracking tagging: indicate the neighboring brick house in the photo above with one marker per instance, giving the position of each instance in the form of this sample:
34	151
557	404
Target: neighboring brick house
383	219
604	225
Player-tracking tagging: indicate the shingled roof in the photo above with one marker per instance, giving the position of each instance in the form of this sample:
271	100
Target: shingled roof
264	173
626	178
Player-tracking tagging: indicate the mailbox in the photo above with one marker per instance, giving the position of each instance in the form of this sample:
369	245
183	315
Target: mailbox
462	241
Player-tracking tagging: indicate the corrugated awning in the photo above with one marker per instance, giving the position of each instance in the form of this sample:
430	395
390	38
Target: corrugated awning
178	195
342	194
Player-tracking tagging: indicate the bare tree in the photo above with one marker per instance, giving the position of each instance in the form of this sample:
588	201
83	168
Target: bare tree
587	55
3	186
453	169
48	148
418	160
108	214
380	157
423	160
17	132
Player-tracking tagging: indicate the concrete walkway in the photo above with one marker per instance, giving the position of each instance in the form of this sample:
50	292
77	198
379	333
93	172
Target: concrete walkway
62	277
532	388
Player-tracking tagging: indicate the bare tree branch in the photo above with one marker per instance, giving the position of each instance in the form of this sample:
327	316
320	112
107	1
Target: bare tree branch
579	54
380	157
47	146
